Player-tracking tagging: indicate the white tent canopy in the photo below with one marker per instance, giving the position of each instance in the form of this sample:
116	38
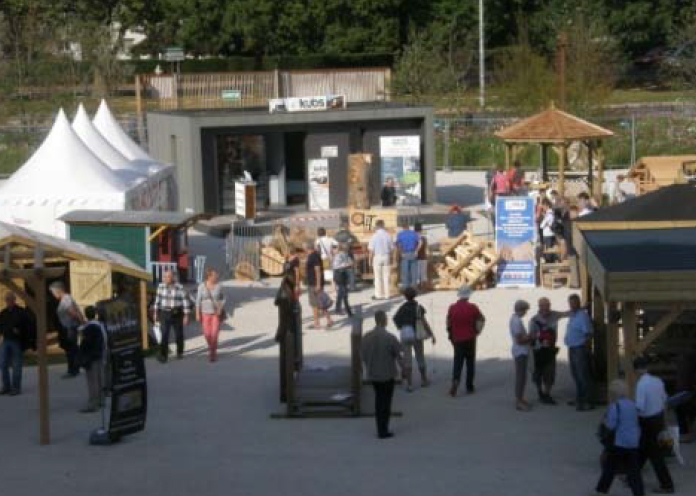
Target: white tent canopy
99	145
109	127
62	175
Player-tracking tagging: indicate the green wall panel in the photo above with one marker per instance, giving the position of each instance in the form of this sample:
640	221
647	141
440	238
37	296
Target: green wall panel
128	241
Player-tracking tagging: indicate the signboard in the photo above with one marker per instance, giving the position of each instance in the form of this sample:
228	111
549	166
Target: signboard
363	221
329	151
128	382
306	103
319	184
231	95
400	164
515	236
174	54
240	199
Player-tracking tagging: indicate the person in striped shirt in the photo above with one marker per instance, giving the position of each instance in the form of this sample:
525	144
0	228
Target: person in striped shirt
172	309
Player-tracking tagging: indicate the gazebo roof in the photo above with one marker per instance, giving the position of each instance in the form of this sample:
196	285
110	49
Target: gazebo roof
552	126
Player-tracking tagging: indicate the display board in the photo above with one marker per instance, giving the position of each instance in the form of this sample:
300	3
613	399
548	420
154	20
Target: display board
400	162
319	183
515	237
128	381
363	221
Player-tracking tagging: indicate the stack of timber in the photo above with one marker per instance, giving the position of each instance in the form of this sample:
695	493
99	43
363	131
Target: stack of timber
467	261
273	255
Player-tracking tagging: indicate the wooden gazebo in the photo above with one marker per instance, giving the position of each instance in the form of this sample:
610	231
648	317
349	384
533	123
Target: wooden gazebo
30	261
638	267
556	129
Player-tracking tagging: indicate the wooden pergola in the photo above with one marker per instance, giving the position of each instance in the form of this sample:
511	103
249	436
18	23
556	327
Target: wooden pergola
556	129
29	261
638	272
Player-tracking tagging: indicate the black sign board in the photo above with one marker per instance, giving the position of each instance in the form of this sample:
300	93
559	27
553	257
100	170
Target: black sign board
128	381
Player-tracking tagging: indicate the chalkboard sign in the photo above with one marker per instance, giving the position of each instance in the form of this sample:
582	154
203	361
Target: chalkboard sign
128	380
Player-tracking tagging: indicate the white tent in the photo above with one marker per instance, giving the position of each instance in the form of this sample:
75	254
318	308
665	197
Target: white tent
62	175
109	127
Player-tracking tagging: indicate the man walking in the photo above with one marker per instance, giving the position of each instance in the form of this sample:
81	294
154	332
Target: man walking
464	324
172	309
408	242
15	327
314	270
578	340
380	251
381	352
650	401
543	329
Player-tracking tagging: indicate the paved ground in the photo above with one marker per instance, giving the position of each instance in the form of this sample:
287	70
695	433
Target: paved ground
209	431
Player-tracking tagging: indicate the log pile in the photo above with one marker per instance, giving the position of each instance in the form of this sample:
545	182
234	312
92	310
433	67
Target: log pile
467	261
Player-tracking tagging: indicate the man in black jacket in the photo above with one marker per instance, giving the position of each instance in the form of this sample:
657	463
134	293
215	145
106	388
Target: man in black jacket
15	327
92	352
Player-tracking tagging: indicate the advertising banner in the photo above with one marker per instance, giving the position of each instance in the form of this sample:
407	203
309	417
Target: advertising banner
128	381
400	164
319	184
515	236
306	103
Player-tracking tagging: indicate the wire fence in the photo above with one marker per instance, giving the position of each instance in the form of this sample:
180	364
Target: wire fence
468	141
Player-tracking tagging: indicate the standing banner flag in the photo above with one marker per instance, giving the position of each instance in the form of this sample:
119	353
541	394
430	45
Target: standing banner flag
319	184
400	161
515	236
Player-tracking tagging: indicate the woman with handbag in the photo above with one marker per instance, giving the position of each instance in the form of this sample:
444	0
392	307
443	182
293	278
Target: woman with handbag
620	435
414	330
210	310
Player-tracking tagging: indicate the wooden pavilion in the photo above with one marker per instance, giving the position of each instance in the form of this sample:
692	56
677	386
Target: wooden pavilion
30	261
556	129
638	271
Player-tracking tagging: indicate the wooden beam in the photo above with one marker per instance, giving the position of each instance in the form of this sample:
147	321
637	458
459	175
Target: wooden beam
157	232
27	274
659	329
599	186
39	287
561	169
634	225
612	343
630	337
30	301
144	327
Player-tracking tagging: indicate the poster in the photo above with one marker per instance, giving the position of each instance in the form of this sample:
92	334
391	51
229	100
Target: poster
329	151
306	103
319	184
128	381
515	236
400	160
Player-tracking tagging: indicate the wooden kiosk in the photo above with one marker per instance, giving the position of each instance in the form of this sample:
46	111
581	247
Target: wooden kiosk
556	130
639	270
651	173
30	261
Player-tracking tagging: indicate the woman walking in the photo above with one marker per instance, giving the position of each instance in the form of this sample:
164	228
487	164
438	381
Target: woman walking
210	310
414	330
621	440
520	352
342	265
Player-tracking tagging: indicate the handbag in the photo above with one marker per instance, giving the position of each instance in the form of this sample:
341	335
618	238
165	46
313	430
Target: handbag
422	327
324	301
407	334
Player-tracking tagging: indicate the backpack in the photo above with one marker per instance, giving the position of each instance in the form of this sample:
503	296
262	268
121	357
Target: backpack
557	226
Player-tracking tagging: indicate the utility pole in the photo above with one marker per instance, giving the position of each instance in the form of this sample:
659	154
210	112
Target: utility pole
482	59
561	67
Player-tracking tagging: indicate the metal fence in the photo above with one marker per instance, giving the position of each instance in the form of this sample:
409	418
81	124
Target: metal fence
468	141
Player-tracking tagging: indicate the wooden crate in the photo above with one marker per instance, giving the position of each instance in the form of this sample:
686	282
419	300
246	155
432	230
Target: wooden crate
359	166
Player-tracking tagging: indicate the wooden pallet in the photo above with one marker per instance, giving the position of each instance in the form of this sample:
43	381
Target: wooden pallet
272	261
467	261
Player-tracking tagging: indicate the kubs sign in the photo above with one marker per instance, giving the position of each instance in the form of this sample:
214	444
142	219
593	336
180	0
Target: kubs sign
306	103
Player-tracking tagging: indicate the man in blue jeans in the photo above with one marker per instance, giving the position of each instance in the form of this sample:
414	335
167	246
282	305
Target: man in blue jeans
14	327
408	242
578	338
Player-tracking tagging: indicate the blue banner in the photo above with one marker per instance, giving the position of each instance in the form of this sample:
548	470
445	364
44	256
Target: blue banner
515	236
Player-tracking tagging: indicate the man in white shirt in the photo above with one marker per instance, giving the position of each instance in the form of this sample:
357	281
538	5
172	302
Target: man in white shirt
381	248
650	401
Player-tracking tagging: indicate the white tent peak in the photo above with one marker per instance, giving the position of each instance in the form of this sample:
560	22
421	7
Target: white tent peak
99	145
109	127
63	166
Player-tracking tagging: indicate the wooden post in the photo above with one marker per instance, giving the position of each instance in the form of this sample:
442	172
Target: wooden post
628	323
590	171
39	286
561	169
599	185
612	343
508	155
144	327
544	162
